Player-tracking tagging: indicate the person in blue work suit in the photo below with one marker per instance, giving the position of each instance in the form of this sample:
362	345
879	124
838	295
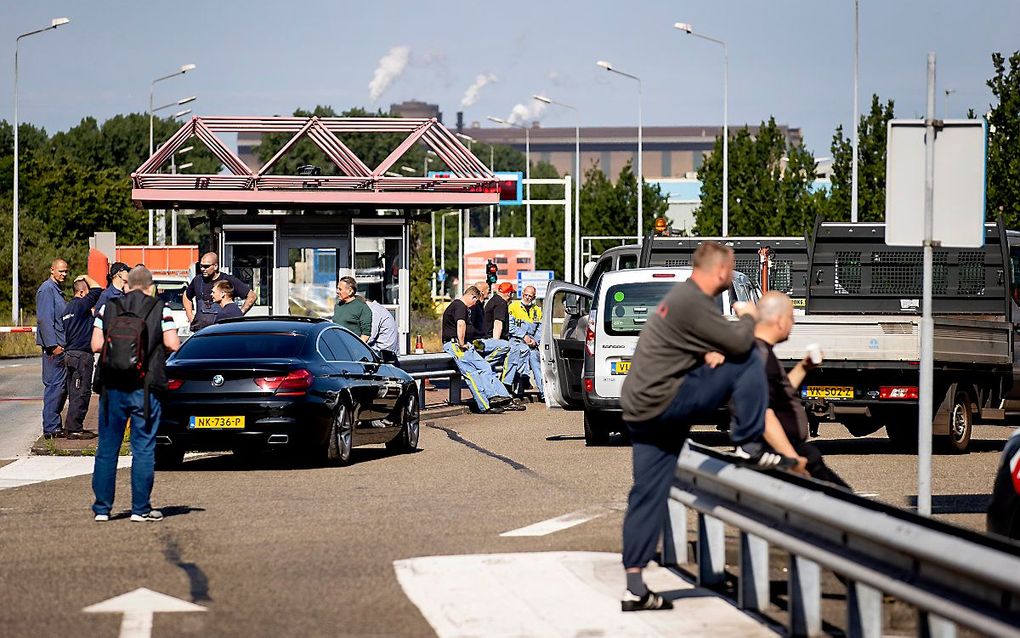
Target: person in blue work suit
77	319
526	337
491	336
49	335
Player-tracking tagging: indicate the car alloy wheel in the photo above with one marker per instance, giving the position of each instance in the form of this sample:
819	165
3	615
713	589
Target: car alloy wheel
341	435
412	422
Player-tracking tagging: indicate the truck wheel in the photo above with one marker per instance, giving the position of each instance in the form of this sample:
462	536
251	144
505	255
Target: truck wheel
961	424
596	431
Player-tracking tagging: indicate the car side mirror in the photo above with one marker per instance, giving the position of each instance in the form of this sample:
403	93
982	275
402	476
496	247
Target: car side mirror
571	305
388	356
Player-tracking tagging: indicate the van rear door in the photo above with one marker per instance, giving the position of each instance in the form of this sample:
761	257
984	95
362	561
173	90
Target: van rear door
564	321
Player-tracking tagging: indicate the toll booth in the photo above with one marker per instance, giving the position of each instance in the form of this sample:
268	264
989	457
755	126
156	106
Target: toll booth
291	237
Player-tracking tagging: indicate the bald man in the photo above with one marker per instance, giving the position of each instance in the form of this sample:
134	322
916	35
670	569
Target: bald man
786	422
198	301
49	335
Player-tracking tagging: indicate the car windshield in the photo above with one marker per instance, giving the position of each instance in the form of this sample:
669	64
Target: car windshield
628	306
172	292
241	345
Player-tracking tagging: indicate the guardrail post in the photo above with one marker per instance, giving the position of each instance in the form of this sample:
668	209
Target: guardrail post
421	392
805	597
711	550
674	535
932	626
753	594
455	390
863	611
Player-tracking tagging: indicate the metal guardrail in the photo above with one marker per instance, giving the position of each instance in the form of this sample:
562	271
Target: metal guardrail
434	365
954	577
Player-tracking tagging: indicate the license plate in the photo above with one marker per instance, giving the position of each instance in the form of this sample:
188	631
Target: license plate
216	423
619	367
828	392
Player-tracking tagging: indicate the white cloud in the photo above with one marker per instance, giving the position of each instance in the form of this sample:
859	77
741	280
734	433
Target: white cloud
391	66
471	95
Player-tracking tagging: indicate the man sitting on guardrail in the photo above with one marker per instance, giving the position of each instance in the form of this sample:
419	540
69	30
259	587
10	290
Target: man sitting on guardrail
492	340
689	362
786	421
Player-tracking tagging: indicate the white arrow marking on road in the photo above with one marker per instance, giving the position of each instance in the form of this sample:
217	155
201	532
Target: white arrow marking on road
566	521
138	606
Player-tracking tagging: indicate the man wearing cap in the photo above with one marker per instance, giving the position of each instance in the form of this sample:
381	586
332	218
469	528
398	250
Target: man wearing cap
526	335
494	341
116	283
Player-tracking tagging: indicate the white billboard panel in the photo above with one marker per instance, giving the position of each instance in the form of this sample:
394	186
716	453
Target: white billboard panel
510	254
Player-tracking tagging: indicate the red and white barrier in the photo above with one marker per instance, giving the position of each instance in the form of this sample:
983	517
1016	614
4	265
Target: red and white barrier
4	329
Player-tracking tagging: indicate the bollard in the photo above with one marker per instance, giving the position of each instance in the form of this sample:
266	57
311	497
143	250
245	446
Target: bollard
753	594
711	550
805	597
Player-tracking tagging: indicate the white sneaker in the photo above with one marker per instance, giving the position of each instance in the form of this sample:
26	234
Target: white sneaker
152	516
102	518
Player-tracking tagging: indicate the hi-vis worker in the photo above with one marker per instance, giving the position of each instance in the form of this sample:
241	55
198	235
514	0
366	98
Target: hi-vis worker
490	395
526	336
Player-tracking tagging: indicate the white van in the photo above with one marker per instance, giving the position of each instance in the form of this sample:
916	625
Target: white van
171	289
589	338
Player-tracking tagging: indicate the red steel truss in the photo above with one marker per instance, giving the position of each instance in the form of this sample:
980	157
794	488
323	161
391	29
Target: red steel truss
467	183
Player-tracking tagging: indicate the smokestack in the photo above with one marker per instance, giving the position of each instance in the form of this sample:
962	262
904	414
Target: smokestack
460	121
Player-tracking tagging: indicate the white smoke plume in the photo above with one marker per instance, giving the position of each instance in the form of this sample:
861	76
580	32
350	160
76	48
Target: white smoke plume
471	95
524	114
391	66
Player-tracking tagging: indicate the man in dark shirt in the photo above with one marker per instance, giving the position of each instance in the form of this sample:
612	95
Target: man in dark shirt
477	313
689	361
223	298
197	299
786	422
115	285
492	340
490	395
78	319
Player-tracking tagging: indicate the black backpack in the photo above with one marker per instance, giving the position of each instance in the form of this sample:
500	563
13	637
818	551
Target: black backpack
124	360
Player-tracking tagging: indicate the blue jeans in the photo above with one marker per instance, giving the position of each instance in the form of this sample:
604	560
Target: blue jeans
115	408
54	378
481	380
657	442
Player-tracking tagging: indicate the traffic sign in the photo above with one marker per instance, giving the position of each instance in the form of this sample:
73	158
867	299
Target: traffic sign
538	278
441	274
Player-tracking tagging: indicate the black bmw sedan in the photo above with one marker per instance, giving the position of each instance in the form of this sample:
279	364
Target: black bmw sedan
300	382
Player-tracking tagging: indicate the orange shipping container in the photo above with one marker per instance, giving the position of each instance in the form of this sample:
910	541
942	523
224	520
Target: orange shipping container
163	260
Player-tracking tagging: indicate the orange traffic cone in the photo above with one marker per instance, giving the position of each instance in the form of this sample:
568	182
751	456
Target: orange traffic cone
419	345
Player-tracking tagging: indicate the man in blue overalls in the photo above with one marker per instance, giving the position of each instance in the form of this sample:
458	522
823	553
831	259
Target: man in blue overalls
49	335
526	337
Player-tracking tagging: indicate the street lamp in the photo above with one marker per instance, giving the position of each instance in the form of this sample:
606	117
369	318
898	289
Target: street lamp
152	90
640	165
527	165
577	181
688	29
857	117
408	169
160	221
54	23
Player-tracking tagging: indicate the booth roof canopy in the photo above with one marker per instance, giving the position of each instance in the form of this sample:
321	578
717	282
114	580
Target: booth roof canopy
468	182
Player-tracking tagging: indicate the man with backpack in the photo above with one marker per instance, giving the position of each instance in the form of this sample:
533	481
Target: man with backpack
132	334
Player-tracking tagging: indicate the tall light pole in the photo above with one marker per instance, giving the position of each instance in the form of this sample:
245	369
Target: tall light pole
160	224
687	28
527	166
54	23
857	117
640	165
577	179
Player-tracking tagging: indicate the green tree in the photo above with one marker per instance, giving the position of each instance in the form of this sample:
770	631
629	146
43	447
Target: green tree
770	184
871	148
1004	140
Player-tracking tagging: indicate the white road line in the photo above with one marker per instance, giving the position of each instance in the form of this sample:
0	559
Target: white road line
37	469
866	494
558	594
560	523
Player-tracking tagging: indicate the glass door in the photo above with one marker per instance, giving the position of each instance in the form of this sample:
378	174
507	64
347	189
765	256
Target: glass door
308	279
380	262
247	252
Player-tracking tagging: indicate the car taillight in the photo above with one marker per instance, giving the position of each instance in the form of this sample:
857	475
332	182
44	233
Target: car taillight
589	385
904	392
589	337
295	383
174	384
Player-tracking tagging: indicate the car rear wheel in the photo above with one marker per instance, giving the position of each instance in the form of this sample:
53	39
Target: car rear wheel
961	425
410	428
169	457
341	437
596	430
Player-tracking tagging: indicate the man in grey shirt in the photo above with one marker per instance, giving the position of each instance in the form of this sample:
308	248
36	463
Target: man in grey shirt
384	329
689	361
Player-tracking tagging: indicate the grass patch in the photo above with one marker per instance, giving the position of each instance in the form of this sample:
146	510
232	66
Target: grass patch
18	344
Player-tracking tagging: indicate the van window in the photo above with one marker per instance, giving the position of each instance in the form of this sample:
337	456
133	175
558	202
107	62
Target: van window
628	306
627	262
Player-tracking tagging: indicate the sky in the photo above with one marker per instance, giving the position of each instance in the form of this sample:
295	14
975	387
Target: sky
792	59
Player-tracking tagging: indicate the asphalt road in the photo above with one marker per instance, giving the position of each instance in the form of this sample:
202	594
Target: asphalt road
21	392
272	549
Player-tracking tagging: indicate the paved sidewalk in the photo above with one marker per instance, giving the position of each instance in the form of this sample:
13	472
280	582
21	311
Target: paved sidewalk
36	469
